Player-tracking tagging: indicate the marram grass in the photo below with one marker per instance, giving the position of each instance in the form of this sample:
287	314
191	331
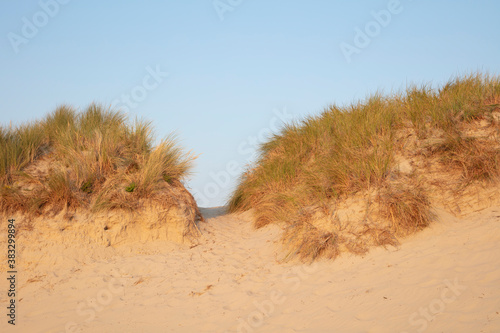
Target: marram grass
351	149
65	160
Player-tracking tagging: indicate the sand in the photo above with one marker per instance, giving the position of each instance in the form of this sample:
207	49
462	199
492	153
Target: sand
443	279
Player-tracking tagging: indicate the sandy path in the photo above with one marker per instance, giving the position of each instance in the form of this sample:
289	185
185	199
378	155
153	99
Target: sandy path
444	279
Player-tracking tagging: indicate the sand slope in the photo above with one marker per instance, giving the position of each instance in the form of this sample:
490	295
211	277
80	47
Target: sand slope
444	279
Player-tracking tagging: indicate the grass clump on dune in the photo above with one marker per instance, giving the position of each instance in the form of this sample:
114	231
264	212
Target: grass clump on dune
311	168
86	159
19	147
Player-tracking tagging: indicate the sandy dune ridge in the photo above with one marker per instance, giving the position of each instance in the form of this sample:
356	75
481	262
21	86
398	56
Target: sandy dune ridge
443	279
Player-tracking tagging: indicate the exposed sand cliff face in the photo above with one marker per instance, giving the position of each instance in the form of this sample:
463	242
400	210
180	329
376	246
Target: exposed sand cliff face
175	221
50	243
170	213
443	279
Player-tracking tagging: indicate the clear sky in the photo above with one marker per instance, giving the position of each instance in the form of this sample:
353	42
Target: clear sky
224	74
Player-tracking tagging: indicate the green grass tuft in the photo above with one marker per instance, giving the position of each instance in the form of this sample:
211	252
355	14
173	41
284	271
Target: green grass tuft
131	187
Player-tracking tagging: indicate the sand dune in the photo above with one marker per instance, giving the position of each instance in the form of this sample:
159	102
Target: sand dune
443	279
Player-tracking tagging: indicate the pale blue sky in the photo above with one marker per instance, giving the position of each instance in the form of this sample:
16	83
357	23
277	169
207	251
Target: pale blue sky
232	64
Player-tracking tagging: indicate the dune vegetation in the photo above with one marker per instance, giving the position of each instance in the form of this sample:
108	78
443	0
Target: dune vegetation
371	172
92	160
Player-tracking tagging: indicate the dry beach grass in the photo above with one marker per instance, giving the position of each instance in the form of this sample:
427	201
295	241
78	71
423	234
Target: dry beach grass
384	153
94	161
